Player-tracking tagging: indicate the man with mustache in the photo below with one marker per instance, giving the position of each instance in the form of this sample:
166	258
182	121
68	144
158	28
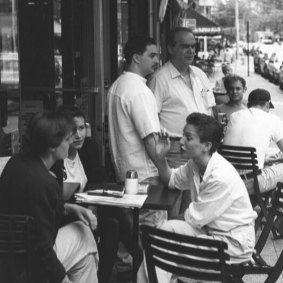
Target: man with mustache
133	124
179	87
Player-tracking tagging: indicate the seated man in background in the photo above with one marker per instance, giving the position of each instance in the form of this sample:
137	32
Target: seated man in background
236	87
220	207
256	127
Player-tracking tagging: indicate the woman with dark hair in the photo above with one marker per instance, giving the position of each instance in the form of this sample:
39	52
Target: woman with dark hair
64	253
82	166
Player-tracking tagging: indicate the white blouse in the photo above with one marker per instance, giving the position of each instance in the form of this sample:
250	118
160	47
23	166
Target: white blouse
75	171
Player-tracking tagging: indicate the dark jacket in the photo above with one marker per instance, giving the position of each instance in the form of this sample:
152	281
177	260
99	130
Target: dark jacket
27	187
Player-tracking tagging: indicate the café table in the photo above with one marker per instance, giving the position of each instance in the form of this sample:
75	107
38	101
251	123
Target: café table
159	197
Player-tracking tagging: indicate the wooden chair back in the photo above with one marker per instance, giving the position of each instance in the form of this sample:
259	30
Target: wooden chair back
259	265
244	159
184	256
15	244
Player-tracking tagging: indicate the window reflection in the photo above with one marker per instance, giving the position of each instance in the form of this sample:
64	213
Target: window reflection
9	78
122	28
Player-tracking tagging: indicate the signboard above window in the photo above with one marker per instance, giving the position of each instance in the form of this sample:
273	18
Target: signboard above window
189	23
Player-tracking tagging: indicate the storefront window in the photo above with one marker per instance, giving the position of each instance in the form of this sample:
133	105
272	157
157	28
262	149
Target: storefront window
57	51
9	78
122	31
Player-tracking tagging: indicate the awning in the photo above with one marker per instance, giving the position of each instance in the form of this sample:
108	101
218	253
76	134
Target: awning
200	24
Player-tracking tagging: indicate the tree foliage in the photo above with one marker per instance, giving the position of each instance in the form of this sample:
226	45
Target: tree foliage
261	14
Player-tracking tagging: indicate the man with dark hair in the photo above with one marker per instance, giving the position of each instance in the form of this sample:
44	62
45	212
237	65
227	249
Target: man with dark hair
133	118
220	207
180	89
256	127
235	87
137	46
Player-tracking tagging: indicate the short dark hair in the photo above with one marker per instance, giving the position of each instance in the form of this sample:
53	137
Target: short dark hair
72	110
137	45
170	39
47	130
208	129
233	78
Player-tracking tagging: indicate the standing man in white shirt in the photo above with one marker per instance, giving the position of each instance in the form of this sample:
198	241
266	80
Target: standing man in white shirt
180	89
256	127
133	118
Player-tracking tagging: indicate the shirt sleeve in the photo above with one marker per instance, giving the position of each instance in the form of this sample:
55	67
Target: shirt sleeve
143	112
211	202
180	178
158	91
277	133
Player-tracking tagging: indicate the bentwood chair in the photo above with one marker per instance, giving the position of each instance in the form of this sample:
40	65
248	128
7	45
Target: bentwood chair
15	248
244	159
259	265
185	256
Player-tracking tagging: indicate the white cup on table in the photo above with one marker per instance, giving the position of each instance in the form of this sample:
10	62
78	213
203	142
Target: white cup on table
131	186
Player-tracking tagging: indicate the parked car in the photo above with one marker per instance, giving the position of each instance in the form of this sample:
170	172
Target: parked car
281	77
266	52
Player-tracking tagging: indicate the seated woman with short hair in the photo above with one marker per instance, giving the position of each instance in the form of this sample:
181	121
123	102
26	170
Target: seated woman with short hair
82	166
64	253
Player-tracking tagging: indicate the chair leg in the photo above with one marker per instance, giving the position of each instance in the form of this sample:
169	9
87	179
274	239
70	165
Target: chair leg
276	270
258	220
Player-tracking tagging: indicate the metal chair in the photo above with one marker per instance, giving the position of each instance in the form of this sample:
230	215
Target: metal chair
245	159
185	256
15	248
259	266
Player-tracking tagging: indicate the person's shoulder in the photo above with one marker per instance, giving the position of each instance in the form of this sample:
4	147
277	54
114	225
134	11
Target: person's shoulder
162	72
240	113
222	170
275	120
197	70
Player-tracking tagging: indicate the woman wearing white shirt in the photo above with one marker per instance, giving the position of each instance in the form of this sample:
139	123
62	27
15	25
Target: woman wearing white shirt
82	166
73	165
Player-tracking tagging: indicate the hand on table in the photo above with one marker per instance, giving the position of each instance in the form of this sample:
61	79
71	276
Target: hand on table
82	213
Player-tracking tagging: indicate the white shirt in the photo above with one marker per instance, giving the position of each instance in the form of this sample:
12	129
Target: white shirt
175	98
75	171
253	127
132	116
220	201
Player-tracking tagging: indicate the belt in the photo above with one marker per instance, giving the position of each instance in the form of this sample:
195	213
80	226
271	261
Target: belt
246	176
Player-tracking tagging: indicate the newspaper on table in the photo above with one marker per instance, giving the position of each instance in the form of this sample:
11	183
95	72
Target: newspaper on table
126	201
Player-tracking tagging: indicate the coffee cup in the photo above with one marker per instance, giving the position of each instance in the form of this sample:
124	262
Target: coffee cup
132	182
131	186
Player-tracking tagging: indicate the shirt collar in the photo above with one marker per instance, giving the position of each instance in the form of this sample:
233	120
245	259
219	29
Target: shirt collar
174	72
135	75
209	167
